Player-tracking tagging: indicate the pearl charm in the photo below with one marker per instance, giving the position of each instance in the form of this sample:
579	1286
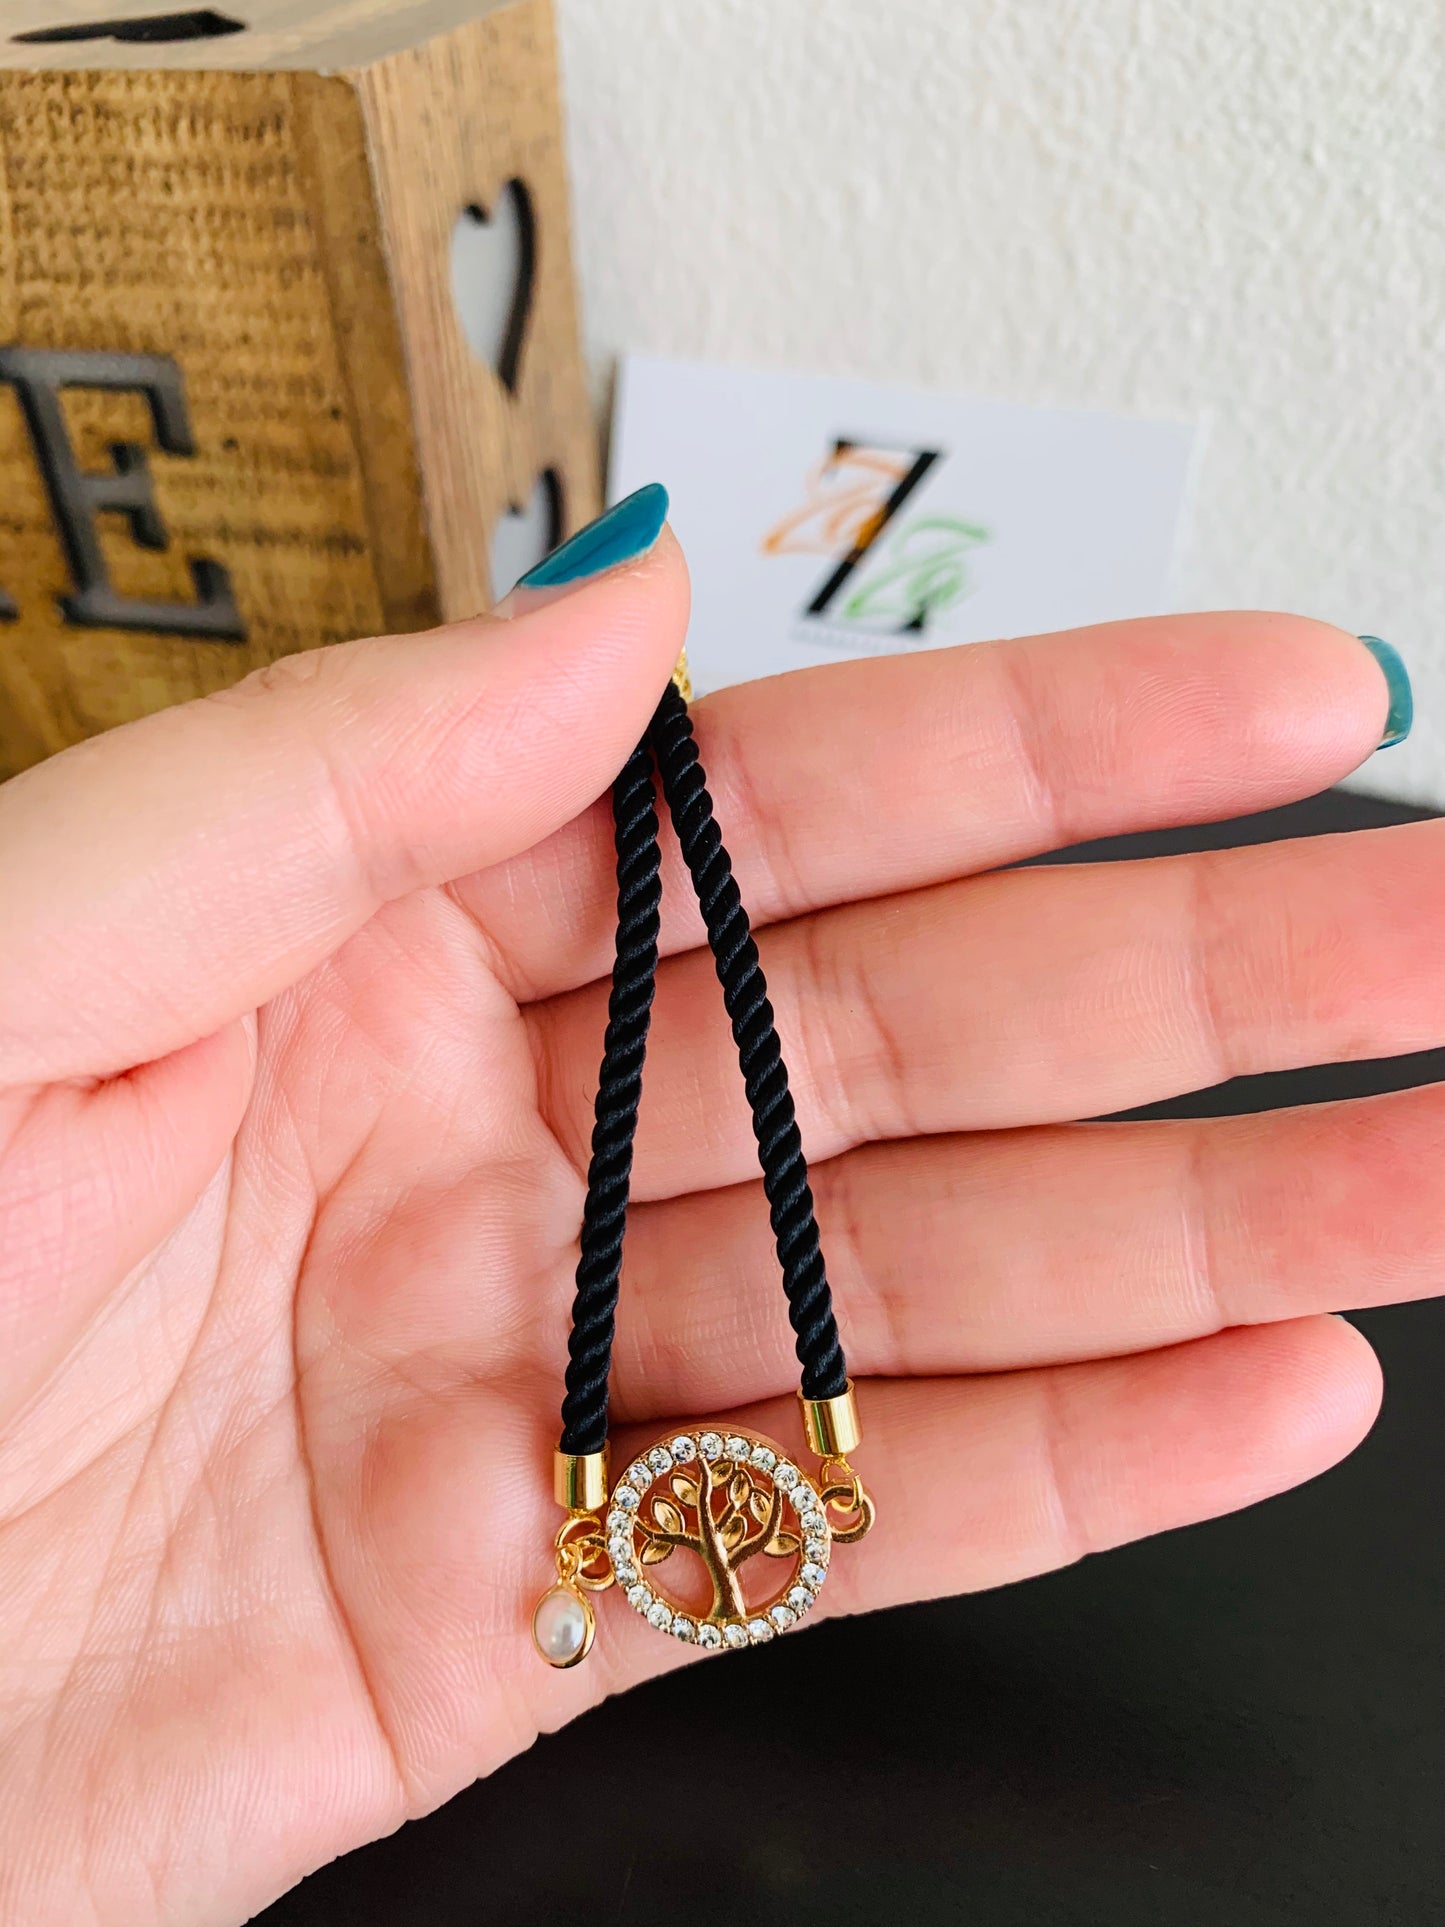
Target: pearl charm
562	1626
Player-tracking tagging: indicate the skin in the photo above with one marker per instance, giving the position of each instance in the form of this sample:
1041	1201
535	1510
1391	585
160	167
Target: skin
301	999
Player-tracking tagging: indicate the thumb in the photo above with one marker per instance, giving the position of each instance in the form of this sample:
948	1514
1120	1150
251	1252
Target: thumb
165	878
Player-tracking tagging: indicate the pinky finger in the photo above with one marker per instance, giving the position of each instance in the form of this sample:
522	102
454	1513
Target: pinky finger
986	1480
977	1481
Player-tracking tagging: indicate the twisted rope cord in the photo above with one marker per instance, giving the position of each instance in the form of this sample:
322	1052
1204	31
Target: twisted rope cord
619	1089
765	1076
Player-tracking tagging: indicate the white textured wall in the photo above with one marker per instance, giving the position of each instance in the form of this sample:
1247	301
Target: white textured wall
1229	210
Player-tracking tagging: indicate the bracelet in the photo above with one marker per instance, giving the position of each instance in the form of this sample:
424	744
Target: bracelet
722	1494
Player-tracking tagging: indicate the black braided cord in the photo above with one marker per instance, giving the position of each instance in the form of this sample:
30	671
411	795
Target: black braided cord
765	1076
745	994
619	1089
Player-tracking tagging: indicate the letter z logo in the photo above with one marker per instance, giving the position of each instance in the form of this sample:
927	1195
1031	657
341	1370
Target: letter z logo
870	531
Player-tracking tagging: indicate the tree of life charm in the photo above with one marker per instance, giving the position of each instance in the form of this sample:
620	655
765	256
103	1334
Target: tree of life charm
741	1531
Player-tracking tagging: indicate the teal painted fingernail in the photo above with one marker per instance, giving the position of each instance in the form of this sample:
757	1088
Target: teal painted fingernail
1397	681
624	532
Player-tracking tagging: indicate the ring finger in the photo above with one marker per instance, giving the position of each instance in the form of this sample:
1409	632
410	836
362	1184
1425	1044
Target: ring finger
1013	1249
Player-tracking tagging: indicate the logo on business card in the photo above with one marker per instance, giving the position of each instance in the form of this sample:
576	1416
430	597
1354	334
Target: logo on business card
890	572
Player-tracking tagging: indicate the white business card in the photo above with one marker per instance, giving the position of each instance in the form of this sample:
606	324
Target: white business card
825	518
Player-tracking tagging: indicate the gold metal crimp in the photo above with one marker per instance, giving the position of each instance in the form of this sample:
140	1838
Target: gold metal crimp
832	1425
579	1480
682	681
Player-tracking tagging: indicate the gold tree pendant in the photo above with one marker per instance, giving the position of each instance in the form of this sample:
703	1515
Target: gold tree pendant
714	1538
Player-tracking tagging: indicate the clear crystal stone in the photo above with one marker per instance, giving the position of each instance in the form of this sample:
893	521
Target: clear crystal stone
660	1616
782	1616
735	1635
799	1598
683	1629
735	1447
812	1575
802	1497
710	1445
639	1597
709	1636
639	1475
817	1551
763	1458
625	1498
786	1476
626	1574
760	1630
683	1449
660	1459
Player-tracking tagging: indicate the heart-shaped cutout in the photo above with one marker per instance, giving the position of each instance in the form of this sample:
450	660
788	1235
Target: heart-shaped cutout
493	259
524	535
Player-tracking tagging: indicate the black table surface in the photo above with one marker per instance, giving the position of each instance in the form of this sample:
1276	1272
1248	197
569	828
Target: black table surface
1237	1725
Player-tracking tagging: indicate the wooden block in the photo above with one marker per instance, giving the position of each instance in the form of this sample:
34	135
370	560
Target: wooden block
241	411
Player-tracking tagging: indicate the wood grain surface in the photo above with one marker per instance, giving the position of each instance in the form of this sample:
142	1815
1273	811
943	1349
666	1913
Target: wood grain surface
449	123
327	35
284	239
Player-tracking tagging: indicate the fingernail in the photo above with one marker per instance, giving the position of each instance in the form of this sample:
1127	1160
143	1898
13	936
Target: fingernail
1397	681
621	534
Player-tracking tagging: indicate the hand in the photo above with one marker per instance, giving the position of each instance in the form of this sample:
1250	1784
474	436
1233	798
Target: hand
301	1005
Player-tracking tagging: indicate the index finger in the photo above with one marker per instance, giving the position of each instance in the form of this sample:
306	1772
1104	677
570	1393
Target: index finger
159	881
861	779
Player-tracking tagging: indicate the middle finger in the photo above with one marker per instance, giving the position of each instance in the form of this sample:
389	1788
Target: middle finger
1033	996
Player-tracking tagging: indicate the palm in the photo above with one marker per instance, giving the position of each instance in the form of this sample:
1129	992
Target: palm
286	1299
330	1473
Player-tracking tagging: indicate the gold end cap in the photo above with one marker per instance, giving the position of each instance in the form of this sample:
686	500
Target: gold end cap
832	1425
579	1480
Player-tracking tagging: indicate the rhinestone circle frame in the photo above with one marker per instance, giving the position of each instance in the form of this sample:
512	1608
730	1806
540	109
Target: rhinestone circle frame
809	1516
